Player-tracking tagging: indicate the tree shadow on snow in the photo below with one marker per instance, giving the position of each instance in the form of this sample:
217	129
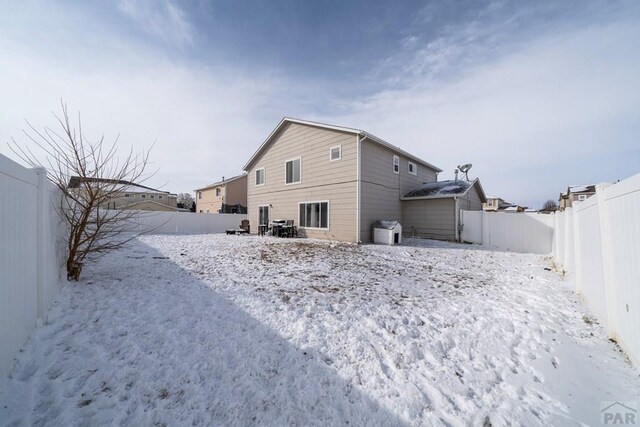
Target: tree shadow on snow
131	345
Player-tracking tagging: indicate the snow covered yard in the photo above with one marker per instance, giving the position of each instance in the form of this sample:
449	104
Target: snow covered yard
242	330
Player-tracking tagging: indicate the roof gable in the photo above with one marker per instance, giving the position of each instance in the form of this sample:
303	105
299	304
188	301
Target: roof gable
287	120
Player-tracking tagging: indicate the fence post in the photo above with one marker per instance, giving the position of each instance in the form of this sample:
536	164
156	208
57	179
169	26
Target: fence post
607	260
42	213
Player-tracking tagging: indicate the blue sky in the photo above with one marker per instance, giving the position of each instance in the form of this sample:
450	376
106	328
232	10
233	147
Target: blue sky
537	95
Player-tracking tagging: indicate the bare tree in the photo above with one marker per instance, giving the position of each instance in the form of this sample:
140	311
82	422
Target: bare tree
549	206
185	200
98	175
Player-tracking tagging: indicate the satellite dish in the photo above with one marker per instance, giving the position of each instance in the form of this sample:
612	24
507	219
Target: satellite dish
465	169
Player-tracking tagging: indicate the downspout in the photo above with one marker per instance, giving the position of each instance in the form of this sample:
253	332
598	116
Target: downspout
457	219
358	182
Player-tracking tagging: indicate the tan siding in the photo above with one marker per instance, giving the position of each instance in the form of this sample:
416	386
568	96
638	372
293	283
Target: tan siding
207	201
236	192
321	179
381	188
471	201
433	219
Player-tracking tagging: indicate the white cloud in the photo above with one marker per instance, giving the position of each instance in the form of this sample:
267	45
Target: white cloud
161	18
527	120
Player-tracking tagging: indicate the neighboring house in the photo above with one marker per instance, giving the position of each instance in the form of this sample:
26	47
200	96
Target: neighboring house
433	210
130	195
226	196
576	193
334	182
496	204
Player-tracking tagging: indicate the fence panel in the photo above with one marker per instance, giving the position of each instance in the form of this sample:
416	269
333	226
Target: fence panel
472	226
622	259
30	256
518	232
589	269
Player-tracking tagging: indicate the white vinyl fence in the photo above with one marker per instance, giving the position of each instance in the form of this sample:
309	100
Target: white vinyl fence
33	249
598	243
31	258
518	232
186	222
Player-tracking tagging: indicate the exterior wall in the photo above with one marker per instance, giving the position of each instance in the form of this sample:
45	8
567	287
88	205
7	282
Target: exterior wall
160	198
236	192
321	180
207	201
470	201
149	205
381	188
430	218
494	207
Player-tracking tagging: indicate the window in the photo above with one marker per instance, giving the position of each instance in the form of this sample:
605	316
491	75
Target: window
126	194
143	196
200	210
335	153
152	196
314	215
199	194
159	197
263	215
292	171
260	176
412	168
582	197
490	202
396	164
218	192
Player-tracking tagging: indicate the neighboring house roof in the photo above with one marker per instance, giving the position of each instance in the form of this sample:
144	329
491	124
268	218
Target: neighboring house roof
216	184
359	132
386	224
581	189
444	189
131	187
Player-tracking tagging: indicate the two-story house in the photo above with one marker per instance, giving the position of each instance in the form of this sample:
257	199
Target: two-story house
129	195
576	193
226	196
334	182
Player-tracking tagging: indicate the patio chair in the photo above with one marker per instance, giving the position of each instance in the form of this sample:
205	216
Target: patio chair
245	227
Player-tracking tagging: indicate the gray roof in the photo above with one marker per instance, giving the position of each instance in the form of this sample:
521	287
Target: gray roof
441	189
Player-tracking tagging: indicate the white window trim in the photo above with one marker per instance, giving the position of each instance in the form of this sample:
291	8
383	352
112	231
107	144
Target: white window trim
264	174
159	197
285	171
268	210
339	147
396	158
415	168
328	215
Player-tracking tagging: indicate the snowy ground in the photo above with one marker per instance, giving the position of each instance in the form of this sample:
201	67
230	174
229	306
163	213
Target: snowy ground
240	330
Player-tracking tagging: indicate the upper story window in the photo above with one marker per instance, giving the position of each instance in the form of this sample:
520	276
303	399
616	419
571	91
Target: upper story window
143	196
199	194
292	171
260	176
152	196
335	153
582	197
218	192
396	164
159	197
412	168
490	202
127	195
